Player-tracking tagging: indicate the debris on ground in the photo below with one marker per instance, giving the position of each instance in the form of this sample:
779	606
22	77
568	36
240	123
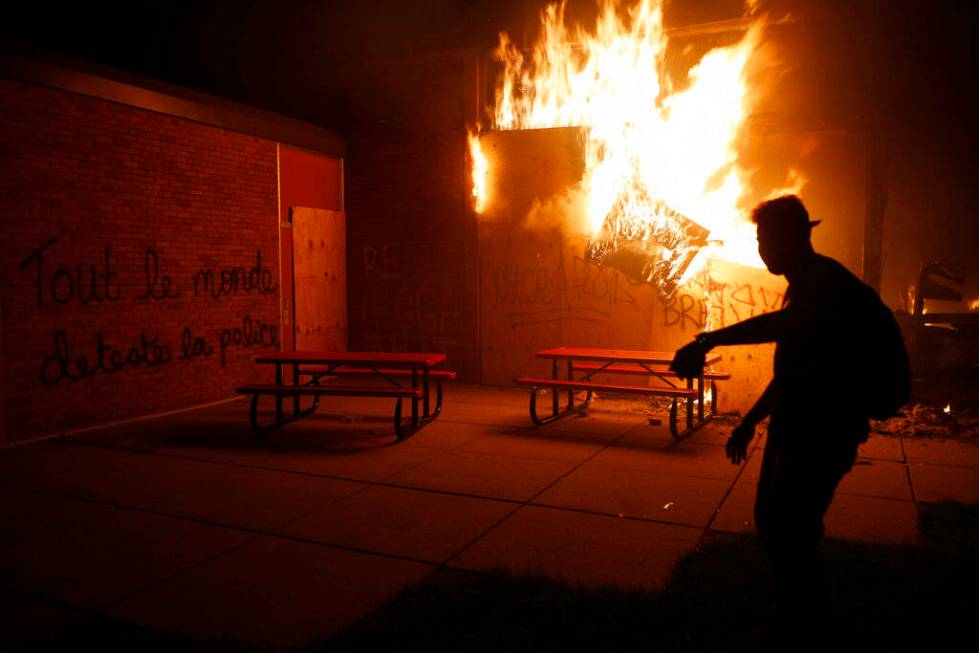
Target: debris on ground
944	421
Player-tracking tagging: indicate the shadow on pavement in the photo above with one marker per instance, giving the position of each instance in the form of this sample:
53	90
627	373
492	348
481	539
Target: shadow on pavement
899	597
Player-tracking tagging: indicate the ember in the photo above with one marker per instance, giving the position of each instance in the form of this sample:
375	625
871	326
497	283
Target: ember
933	421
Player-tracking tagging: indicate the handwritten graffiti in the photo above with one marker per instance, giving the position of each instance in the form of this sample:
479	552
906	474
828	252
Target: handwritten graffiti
397	310
94	283
65	284
562	286
62	364
381	262
234	280
73	359
251	333
157	285
707	302
683	309
148	351
192	346
425	315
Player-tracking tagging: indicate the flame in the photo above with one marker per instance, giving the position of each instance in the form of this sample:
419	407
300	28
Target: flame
480	169
974	304
947	409
653	150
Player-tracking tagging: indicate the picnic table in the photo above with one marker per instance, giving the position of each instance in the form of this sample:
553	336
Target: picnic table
588	363
402	376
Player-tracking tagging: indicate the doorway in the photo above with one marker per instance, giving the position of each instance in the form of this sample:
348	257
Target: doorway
319	270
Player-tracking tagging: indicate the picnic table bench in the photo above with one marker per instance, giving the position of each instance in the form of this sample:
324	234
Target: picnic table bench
403	376
591	362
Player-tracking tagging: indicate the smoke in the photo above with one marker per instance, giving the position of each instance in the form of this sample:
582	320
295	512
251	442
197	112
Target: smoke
794	182
565	212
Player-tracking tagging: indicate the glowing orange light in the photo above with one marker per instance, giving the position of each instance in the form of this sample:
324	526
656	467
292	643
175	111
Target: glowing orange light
655	153
480	168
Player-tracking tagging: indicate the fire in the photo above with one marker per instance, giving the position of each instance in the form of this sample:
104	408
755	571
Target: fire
661	170
974	304
480	169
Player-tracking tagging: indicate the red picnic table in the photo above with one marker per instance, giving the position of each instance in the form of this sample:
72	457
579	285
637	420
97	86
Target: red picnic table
590	362
402	375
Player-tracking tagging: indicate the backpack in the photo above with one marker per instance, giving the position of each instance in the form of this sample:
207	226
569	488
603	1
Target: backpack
883	361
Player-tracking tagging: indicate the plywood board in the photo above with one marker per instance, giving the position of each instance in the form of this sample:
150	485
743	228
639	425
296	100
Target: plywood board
721	295
320	279
528	166
537	292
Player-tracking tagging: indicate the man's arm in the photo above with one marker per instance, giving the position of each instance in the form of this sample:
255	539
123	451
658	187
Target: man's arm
767	327
743	433
689	359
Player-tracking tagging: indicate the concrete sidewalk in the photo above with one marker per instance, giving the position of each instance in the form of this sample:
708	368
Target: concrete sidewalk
191	523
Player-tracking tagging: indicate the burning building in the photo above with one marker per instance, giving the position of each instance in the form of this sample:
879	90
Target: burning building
614	150
613	189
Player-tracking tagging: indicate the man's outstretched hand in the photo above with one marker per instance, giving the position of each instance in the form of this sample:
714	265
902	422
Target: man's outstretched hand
737	444
688	362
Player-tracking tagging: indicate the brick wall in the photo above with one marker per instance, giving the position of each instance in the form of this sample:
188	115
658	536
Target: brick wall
410	283
140	260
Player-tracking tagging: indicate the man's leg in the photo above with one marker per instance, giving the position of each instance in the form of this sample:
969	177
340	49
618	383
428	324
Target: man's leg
794	491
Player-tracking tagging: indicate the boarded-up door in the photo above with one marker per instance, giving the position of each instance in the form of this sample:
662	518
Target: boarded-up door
319	279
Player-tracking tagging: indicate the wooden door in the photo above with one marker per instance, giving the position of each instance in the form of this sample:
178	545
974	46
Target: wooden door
319	279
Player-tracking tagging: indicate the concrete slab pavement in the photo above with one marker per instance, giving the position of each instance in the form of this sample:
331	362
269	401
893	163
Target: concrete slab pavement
540	445
90	555
417	524
33	619
659	497
872	519
934	483
941	452
191	522
581	548
272	592
485	475
877	478
655	456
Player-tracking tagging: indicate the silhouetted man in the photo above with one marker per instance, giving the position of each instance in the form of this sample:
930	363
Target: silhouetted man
816	420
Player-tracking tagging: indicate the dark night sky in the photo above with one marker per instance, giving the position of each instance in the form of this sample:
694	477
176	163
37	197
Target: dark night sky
278	54
282	54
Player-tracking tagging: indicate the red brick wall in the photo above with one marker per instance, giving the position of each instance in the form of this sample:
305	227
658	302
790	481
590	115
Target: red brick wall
410	283
107	215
